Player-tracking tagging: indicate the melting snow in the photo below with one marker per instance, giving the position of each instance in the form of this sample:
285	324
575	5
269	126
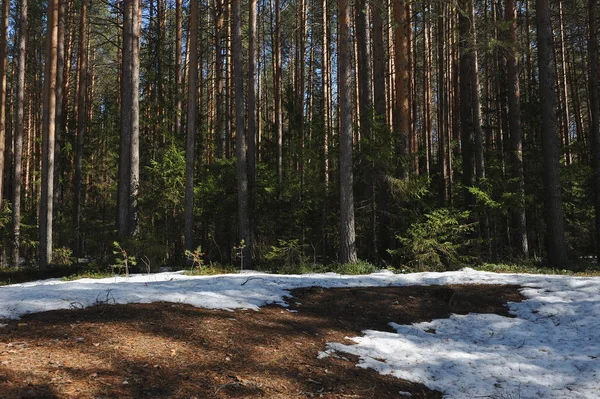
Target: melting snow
550	349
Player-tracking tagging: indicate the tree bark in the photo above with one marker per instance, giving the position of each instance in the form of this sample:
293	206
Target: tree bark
18	136
347	232
126	107
378	62
365	94
442	105
595	111
134	171
48	138
252	154
81	128
60	118
220	133
402	67
467	122
278	88
178	65
192	111
555	240
516	135
242	174
3	97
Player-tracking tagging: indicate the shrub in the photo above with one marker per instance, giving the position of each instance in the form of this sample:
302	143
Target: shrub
436	243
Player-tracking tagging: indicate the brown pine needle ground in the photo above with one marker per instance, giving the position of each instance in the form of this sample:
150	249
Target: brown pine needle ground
165	350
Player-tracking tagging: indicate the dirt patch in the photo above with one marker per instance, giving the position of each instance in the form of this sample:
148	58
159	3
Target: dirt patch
165	350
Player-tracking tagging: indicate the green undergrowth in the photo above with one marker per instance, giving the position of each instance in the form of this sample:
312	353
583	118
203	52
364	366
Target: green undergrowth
577	269
210	270
11	275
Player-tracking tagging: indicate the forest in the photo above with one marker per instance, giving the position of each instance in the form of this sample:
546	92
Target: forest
270	134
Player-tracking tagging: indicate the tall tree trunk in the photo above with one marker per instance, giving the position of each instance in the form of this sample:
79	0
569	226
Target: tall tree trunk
479	153
81	127
60	75
278	93
347	233
134	171
442	105
242	173
129	152
220	133
378	62
555	240
363	41
178	65
19	131
48	138
467	122
427	96
3	97
192	111
566	117
126	106
326	95
595	111
402	67
252	109
516	135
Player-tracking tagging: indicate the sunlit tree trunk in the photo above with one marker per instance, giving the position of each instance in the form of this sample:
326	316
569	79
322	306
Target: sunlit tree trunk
126	105
326	75
81	127
48	138
192	111
134	171
19	132
178	65
3	65
442	105
402	67
60	111
252	154
347	234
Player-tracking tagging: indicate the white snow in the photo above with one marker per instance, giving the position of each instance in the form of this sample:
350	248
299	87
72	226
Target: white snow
550	349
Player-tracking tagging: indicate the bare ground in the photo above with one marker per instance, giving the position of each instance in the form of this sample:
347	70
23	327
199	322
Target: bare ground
165	350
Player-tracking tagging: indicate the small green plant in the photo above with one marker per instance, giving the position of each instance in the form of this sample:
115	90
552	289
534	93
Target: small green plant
62	257
196	259
123	261
289	253
359	267
239	252
436	243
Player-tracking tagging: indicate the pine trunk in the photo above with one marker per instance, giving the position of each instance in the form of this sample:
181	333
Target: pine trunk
19	132
555	239
192	111
516	135
240	136
595	111
347	234
3	97
81	127
48	138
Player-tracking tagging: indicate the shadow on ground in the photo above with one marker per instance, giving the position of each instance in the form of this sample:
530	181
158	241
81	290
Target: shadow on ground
165	350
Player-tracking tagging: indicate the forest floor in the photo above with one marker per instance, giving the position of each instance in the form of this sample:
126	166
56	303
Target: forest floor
166	350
